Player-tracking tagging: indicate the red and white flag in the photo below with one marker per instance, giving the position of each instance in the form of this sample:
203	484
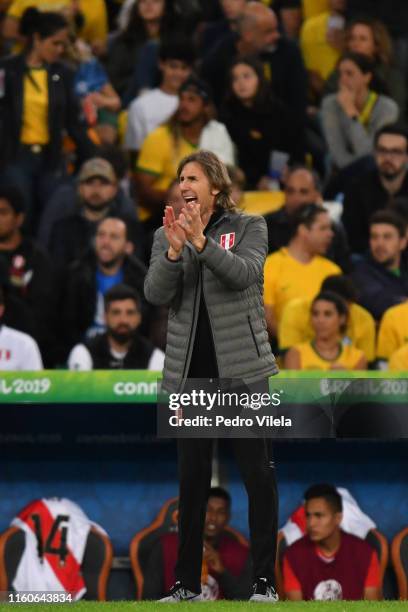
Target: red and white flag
227	241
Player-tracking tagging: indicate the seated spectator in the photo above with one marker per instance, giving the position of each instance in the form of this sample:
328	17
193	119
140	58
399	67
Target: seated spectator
322	43
258	35
352	117
28	270
377	188
89	15
295	325
18	313
121	346
327	350
382	277
191	127
301	187
328	563
394	15
37	106
392	333
96	199
89	278
64	201
147	21
298	269
353	521
100	102
18	351
370	37
226	568
152	108
256	121
212	32
398	361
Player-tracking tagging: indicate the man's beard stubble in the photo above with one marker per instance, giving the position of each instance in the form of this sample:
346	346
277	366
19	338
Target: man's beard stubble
99	206
392	175
122	337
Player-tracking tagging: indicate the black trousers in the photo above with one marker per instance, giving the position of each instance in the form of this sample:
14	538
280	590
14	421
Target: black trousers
255	462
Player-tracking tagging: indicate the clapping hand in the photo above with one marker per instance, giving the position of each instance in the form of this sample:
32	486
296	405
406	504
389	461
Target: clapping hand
212	556
191	223
175	234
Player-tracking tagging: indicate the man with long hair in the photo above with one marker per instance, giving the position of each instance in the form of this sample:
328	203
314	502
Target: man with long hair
207	266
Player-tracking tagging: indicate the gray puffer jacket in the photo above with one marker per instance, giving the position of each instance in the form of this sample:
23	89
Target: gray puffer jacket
232	282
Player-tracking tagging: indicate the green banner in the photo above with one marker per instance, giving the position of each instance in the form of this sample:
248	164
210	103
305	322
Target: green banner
140	387
69	387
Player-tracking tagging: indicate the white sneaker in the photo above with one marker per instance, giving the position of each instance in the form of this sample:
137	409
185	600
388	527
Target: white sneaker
179	593
263	592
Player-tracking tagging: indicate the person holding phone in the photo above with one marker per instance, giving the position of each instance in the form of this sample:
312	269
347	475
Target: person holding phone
322	43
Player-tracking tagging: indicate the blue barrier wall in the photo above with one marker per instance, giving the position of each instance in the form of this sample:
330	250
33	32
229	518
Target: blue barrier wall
124	496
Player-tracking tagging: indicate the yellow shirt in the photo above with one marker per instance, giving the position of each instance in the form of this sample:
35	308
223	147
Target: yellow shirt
95	27
286	278
17	7
311	360
399	360
34	129
393	332
295	327
160	157
318	55
311	8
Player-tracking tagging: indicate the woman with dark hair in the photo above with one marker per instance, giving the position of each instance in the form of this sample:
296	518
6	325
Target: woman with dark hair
149	21
256	120
370	37
352	116
37	105
327	350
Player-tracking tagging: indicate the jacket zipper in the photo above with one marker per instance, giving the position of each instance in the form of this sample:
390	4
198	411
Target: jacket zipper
211	326
194	323
193	326
253	335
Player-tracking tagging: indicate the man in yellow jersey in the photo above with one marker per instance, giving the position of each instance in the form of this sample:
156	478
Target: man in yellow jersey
393	331
398	361
295	327
299	269
188	130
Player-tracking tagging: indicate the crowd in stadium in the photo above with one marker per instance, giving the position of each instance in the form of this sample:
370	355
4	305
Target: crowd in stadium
304	101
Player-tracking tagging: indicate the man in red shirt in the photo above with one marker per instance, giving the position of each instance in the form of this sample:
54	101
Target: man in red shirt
328	563
226	567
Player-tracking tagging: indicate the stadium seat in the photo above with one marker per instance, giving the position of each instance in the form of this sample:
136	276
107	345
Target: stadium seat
399	558
95	566
143	542
374	538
